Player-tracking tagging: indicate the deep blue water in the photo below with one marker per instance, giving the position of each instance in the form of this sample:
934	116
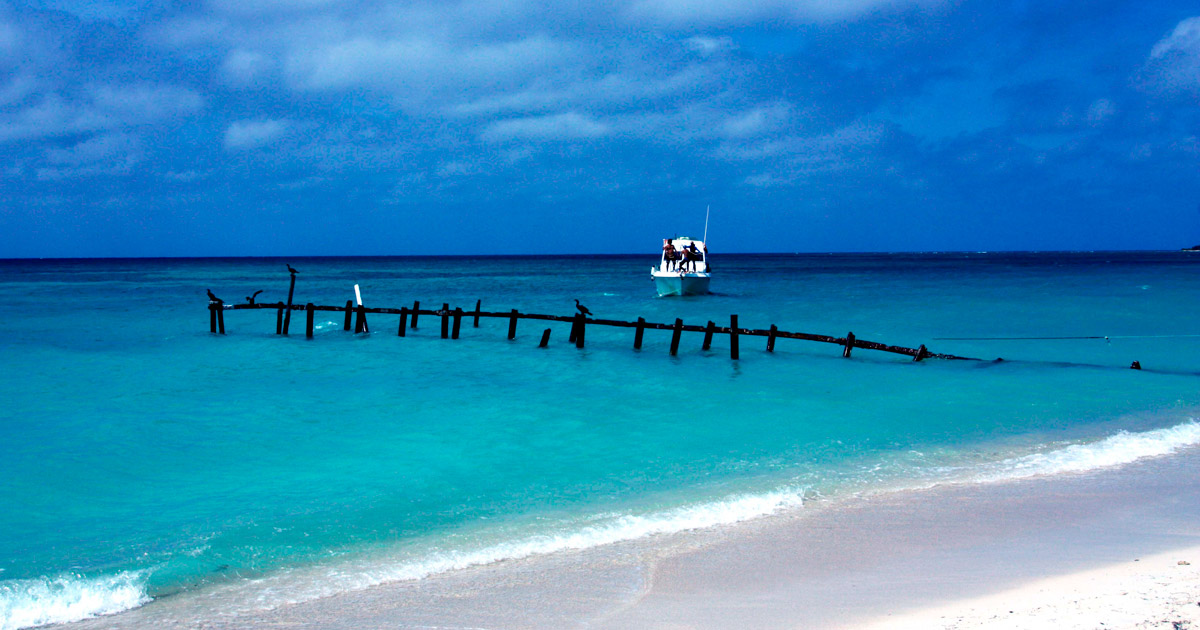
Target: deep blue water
143	456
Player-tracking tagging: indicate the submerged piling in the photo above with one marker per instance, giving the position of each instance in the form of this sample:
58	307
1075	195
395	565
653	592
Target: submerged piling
733	337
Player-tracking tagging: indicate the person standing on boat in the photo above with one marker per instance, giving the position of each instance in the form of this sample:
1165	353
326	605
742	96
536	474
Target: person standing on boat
669	253
693	254
685	259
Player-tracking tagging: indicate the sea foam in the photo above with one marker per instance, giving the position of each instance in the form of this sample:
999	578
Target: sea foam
37	602
1116	450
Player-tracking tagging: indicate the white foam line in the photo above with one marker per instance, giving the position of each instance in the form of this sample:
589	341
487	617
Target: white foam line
62	599
1116	450
299	586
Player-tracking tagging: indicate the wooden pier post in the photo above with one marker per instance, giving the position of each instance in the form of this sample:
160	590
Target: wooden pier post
349	308
574	330
708	333
921	353
545	338
849	345
477	303
637	335
403	321
308	325
360	322
581	323
279	321
733	337
415	311
512	325
287	317
458	313
675	336
221	318
445	321
771	338
212	317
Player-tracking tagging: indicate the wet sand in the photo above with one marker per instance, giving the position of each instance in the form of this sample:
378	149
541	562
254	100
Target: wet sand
1107	542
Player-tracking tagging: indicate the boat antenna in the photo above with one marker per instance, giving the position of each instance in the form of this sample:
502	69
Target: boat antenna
706	209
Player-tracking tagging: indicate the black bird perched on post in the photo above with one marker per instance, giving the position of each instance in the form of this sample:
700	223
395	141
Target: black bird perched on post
250	298
290	270
213	298
582	309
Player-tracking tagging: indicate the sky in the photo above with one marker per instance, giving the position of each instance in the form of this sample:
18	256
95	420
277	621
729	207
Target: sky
376	127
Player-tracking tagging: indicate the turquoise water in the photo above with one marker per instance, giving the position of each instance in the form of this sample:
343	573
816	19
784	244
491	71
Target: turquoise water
144	457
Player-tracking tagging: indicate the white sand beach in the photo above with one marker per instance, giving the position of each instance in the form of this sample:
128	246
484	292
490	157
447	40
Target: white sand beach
1114	548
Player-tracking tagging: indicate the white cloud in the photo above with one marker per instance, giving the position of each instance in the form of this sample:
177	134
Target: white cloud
566	126
252	134
258	7
103	155
103	148
612	89
1101	110
710	45
1184	39
415	66
10	40
245	67
99	107
755	122
1174	63
692	12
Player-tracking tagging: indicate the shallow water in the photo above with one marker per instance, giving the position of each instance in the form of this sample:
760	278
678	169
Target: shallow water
144	456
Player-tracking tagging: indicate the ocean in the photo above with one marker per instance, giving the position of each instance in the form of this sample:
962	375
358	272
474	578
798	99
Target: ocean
144	458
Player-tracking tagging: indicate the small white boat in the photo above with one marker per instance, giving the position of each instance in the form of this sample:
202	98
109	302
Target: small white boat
683	268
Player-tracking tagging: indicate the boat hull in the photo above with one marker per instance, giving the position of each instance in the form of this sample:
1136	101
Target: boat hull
685	284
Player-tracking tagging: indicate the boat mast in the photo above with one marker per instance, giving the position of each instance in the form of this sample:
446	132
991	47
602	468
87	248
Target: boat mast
706	209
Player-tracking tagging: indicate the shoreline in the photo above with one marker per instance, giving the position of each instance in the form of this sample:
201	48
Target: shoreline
943	555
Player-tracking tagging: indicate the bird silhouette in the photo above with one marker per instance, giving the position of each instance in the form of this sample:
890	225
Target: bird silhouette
290	269
213	298
582	309
250	298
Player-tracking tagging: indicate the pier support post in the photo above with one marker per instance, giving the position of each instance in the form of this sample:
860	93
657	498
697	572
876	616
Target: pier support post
708	333
360	323
580	323
279	321
403	321
574	330
545	338
637	335
415	311
771	338
287	317
921	353
458	314
512	325
849	345
675	336
349	309
212	317
445	321
221	318
308	324
477	303
733	337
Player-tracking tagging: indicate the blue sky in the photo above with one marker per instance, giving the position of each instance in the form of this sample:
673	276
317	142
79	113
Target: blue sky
324	127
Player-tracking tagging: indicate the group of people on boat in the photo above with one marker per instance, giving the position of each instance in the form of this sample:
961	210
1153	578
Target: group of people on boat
683	259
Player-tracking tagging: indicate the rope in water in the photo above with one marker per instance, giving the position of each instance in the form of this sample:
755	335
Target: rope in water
1055	338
